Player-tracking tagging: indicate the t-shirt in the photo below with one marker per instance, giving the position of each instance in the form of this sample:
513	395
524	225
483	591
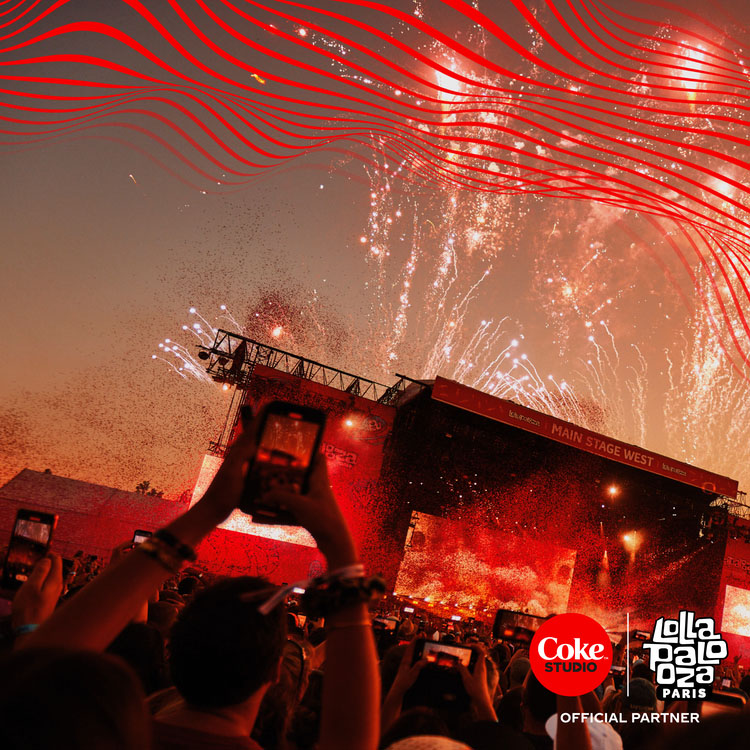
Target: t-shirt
171	737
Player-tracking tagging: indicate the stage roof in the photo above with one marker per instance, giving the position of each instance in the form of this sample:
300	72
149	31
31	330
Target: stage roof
510	413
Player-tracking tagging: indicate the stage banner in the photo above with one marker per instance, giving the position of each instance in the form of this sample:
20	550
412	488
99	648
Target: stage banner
469	399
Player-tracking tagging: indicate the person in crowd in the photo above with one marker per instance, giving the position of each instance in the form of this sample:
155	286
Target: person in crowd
538	704
187	587
72	699
517	671
141	646
225	716
508	709
416	722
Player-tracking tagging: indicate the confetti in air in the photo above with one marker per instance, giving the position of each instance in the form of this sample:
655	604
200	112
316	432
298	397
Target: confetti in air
635	110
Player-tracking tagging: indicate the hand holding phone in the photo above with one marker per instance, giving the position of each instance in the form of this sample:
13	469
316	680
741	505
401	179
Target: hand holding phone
288	439
446	655
139	535
29	543
37	597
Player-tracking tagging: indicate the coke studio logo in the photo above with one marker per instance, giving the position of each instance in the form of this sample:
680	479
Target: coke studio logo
571	654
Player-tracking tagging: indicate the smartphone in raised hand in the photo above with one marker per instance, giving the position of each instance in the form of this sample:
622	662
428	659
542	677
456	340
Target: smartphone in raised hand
29	543
288	440
140	535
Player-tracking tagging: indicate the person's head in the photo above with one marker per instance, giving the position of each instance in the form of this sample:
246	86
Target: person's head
415	722
281	701
642	669
91	700
141	647
509	713
222	650
640	696
519	668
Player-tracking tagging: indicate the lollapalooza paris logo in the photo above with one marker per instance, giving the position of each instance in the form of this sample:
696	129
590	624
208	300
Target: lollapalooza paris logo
571	655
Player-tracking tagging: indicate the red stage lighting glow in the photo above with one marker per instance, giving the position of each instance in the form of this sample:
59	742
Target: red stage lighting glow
736	616
484	568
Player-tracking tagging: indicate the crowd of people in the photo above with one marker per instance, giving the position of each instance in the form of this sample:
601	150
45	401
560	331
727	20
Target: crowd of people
151	651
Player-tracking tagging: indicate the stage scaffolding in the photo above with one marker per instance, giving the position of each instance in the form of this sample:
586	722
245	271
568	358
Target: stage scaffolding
232	358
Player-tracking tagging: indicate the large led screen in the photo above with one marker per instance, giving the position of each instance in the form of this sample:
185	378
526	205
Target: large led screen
736	616
457	565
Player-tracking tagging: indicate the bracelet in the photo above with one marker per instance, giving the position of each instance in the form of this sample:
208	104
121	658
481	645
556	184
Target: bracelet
183	550
328	593
26	629
162	553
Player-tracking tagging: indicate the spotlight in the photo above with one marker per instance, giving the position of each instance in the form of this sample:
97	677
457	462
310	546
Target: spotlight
632	541
276	332
613	490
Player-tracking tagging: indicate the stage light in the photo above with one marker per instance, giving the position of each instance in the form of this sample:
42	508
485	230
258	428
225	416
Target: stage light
632	541
225	387
276	332
613	490
349	422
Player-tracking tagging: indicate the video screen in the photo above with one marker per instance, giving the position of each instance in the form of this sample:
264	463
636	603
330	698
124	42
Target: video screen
446	656
736	616
287	442
32	530
458	565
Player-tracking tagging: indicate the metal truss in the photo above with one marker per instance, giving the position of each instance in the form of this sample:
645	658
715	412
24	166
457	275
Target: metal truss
232	358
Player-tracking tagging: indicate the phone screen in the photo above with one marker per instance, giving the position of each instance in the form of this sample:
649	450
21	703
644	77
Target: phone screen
141	536
287	442
446	656
28	544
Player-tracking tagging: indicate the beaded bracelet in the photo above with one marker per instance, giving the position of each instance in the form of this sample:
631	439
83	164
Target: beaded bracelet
25	629
182	550
163	554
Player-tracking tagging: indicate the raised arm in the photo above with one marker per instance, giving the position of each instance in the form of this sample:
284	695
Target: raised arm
351	687
96	614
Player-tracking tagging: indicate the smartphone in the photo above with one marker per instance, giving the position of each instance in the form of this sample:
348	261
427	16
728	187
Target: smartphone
301	620
726	682
29	543
140	536
288	440
444	654
617	669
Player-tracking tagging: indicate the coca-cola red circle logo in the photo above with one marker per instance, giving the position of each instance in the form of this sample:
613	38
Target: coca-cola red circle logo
571	654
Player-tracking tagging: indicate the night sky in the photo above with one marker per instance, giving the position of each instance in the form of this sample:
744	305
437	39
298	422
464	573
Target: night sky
367	248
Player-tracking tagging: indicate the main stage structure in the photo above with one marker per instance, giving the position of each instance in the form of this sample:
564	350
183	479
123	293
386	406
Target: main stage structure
472	502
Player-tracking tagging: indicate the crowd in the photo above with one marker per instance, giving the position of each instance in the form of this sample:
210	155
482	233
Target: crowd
152	652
